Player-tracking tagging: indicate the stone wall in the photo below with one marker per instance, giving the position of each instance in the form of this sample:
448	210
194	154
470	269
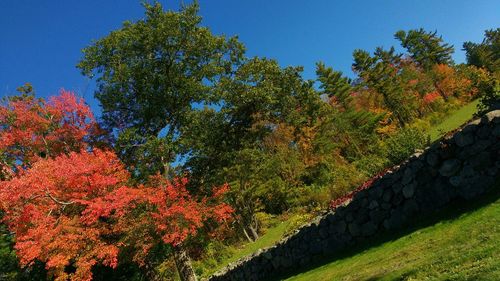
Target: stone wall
461	166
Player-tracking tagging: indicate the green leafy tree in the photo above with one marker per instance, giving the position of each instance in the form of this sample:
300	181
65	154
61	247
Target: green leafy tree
361	121
150	74
487	53
380	74
426	48
223	144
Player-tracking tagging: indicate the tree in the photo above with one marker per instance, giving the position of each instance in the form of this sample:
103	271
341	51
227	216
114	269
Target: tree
380	74
160	212
426	48
149	76
487	53
32	129
45	205
74	211
58	185
356	123
225	144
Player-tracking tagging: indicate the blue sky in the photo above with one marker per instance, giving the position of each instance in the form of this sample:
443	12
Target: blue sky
41	41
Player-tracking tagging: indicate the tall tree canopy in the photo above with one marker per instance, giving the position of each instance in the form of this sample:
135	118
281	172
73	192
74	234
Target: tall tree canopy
426	48
150	74
487	53
70	204
32	128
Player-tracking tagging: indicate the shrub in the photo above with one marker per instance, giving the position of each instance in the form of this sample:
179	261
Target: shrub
490	96
404	144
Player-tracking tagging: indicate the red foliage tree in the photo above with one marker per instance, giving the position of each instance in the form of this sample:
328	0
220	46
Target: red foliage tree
170	214
68	203
64	210
45	205
32	128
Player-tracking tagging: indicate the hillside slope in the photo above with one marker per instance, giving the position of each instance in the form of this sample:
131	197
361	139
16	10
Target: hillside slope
466	247
451	122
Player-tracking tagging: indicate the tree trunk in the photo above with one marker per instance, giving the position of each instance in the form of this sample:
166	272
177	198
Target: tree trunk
254	233
183	264
440	92
151	273
246	234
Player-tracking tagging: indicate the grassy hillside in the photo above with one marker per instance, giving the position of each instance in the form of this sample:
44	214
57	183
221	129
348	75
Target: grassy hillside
461	248
454	120
271	236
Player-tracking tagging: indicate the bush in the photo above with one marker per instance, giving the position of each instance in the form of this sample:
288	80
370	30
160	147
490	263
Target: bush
490	96
404	144
371	164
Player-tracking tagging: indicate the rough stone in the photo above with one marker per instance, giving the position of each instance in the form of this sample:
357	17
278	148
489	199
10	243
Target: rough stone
373	205
409	190
449	167
480	160
323	232
386	206
397	199
331	217
397	187
455	180
479	146
432	159
387	195
496	131
492	171
463	139
410	207
493	116
377	216
338	227
396	220
368	229
354	229
472	126
483	132
408	176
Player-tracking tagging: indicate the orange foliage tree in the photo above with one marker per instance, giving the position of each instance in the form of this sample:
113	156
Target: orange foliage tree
32	128
69	205
44	208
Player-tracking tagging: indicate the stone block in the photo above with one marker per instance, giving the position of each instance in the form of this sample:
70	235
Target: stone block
449	167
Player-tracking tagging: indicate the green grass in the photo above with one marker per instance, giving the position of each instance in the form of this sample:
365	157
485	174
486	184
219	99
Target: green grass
454	120
270	238
463	248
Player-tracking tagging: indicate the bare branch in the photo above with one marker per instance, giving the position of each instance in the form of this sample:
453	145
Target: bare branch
57	200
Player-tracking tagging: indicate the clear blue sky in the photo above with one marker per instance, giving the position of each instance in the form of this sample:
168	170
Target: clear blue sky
40	41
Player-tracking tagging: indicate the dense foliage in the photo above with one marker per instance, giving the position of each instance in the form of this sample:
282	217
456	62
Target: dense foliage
199	143
68	202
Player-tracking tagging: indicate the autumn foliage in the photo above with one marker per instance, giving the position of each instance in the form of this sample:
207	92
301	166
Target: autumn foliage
70	205
45	207
31	128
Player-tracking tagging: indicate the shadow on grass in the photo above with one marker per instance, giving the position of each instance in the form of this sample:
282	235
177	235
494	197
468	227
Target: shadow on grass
449	213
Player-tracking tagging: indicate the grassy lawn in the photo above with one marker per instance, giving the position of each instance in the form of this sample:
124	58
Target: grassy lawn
270	238
463	248
454	120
